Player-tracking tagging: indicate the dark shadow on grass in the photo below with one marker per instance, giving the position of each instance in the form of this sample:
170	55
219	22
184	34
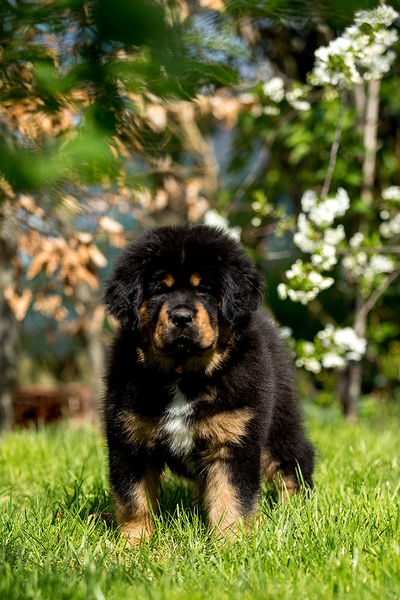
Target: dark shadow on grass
178	495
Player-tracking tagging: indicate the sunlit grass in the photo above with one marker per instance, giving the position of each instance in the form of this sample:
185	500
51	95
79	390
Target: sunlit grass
342	543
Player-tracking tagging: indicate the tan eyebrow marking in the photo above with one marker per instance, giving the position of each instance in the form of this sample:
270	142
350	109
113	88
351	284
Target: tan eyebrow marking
195	279
168	280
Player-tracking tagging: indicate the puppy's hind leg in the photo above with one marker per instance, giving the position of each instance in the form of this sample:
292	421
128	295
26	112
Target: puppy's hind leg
291	470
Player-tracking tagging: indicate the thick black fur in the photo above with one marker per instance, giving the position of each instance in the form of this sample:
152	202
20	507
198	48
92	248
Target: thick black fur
242	421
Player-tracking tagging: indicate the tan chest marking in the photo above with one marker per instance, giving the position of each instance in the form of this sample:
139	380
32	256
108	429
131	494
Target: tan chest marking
179	430
143	431
225	427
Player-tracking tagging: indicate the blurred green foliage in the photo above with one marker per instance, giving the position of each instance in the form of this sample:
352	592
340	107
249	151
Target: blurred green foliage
97	58
94	54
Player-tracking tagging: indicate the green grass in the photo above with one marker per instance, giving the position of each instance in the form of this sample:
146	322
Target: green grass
342	543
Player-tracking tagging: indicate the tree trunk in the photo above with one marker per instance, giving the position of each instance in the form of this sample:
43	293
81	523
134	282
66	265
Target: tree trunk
350	388
9	326
91	335
96	358
352	380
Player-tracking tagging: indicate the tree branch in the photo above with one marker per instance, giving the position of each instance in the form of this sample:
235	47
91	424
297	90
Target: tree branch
370	303
335	146
261	158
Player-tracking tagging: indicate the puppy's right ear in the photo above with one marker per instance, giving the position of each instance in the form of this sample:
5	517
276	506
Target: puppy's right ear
124	291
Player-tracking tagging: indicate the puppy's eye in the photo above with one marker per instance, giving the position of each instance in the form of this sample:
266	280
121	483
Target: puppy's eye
163	289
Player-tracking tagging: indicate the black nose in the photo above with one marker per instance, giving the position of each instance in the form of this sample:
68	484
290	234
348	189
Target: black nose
182	318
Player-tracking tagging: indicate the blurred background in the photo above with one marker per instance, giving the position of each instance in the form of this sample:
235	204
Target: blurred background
117	115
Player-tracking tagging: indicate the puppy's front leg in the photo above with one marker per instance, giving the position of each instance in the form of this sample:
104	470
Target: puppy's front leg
230	495
134	484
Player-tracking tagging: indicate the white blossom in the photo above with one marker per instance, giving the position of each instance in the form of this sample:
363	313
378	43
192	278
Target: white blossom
390	227
305	284
303	242
324	333
353	355
309	200
385	230
356	240
282	291
312	364
358	54
381	263
382	15
332	348
326	283
361	258
301	105
285	332
347	340
349	262
391	193
328	252
334	236
271	110
368	268
308	348
304	238
324	212
274	89
332	360
387	37
315	277
296	98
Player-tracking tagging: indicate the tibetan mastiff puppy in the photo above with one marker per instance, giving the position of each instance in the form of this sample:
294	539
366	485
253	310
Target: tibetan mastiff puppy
198	380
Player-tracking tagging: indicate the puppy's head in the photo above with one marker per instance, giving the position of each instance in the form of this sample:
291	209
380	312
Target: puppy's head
183	288
179	314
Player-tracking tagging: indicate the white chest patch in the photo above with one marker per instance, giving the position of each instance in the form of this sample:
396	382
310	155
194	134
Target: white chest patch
176	427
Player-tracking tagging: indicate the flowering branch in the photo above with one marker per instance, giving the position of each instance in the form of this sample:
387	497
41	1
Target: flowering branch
360	55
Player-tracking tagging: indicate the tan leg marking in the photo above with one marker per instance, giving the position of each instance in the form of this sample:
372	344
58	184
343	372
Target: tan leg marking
220	500
286	486
136	524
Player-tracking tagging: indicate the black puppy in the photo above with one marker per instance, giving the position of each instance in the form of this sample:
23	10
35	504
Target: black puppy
198	380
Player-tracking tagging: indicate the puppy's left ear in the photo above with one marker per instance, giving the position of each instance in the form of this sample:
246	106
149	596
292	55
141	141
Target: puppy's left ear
124	291
243	291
